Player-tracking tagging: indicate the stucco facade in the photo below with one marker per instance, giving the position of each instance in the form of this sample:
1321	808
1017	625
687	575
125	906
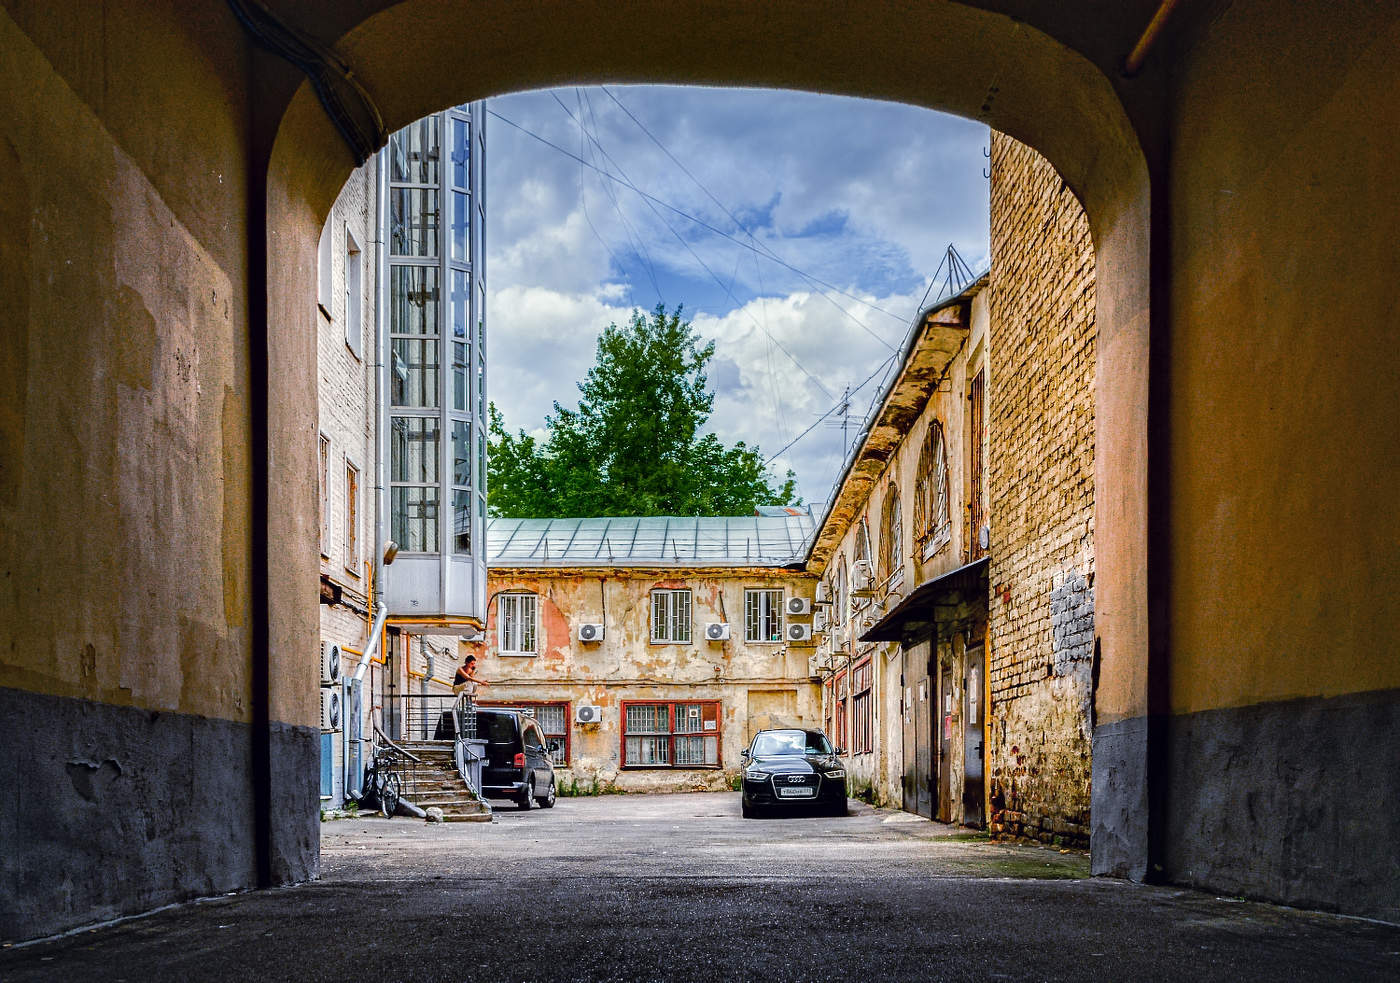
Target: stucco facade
731	687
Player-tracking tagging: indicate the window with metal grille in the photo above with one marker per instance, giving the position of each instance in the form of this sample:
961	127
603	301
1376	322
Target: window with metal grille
553	719
670	615
862	708
932	528
892	541
763	615
517	624
671	735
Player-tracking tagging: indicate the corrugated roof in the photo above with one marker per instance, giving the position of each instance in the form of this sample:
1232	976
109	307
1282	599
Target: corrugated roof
651	541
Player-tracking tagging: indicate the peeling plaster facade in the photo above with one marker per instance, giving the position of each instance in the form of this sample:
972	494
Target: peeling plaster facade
756	684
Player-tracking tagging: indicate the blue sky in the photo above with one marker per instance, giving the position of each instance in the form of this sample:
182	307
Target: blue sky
800	231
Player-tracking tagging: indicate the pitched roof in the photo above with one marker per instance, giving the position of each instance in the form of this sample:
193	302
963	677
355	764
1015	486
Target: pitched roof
651	541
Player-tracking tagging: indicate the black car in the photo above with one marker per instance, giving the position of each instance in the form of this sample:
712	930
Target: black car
517	765
793	769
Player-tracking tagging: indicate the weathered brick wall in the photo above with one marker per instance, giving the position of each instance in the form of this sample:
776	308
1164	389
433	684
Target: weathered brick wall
1041	482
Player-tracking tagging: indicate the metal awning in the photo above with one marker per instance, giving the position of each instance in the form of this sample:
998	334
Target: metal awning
927	597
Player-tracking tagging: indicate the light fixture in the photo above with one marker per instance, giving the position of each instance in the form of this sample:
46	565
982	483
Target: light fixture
391	550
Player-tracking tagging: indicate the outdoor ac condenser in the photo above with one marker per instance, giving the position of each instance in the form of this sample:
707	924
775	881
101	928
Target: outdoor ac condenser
330	708
592	632
330	663
799	633
799	605
588	714
717	631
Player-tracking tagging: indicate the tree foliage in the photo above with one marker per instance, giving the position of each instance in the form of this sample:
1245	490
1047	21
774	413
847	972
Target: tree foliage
634	445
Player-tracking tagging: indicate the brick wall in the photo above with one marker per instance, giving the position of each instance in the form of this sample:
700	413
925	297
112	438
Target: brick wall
1041	484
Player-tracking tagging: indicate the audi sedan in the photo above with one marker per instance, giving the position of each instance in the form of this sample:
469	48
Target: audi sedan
792	769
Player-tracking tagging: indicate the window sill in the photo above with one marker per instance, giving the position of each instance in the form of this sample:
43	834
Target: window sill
672	767
665	641
519	655
351	571
354	354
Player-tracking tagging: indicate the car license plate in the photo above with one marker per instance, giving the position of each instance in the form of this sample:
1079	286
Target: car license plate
796	793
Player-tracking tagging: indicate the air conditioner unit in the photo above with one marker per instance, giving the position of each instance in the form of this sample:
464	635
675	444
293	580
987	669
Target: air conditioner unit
717	631
819	622
861	577
330	663
824	592
590	633
330	709
799	633
799	605
586	713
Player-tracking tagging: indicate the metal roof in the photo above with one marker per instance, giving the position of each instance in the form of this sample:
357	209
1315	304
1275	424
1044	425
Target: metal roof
651	541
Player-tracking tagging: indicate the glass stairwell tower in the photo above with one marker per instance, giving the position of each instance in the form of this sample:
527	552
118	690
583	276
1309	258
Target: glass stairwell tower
433	371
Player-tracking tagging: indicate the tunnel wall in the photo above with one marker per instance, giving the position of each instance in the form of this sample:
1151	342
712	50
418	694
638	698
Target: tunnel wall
127	691
1282	457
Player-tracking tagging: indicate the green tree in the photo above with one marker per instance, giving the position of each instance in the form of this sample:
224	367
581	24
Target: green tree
634	445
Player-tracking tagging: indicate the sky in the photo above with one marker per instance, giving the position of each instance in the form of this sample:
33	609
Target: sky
800	232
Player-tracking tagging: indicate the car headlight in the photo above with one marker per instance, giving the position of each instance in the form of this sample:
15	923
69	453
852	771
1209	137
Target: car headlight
754	775
836	773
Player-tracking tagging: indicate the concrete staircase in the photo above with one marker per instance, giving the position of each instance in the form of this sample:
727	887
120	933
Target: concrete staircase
434	782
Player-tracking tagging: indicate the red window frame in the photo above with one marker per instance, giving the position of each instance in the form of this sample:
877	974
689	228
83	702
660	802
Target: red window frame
671	735
862	706
530	704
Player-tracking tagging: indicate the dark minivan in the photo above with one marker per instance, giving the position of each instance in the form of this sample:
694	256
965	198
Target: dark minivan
517	766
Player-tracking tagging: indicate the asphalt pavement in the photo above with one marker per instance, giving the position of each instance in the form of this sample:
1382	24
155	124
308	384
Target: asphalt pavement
679	887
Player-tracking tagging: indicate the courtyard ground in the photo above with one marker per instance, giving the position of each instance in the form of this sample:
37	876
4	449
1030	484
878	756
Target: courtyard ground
663	887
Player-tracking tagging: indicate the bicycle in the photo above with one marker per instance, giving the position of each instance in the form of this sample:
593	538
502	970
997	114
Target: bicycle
383	782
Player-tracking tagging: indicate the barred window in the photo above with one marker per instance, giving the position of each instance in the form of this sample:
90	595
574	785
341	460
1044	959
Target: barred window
862	709
670	616
517	624
763	615
932	528
671	735
891	541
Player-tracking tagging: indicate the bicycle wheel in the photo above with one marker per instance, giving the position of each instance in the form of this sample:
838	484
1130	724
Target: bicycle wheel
389	794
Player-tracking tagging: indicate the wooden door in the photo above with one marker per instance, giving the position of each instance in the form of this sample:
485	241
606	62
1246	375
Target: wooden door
943	721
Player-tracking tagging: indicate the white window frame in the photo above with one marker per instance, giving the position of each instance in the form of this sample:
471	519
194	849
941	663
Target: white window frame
670	626
517	624
325	249
755	599
352	518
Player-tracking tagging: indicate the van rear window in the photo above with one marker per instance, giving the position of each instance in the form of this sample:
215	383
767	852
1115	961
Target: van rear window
498	728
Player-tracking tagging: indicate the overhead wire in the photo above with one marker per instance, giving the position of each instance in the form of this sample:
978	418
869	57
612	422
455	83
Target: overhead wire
766	250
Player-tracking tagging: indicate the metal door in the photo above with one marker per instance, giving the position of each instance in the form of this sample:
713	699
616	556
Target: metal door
944	718
973	751
923	750
910	801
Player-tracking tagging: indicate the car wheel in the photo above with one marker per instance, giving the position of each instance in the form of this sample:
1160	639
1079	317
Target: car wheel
839	809
527	797
550	797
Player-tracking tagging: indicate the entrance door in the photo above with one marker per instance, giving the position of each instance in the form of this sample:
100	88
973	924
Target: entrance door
944	723
909	751
924	717
973	752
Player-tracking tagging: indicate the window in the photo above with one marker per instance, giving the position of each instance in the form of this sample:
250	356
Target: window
553	719
932	528
763	615
840	737
977	422
863	572
413	476
838	591
354	293
352	518
670	735
323	477
891	545
323	269
862	709
670	616
517	620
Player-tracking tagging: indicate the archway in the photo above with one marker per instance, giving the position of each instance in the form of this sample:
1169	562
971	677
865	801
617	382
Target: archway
410	59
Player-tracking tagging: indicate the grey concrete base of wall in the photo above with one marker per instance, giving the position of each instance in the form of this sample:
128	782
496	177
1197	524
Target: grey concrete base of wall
1118	844
1292	802
109	811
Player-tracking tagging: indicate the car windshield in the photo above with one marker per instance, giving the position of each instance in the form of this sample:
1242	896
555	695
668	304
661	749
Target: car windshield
790	742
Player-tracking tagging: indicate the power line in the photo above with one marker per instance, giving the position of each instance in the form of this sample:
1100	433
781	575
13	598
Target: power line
840	403
767	250
705	266
698	221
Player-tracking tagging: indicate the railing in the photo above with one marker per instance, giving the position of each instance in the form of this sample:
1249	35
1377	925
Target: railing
428	717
